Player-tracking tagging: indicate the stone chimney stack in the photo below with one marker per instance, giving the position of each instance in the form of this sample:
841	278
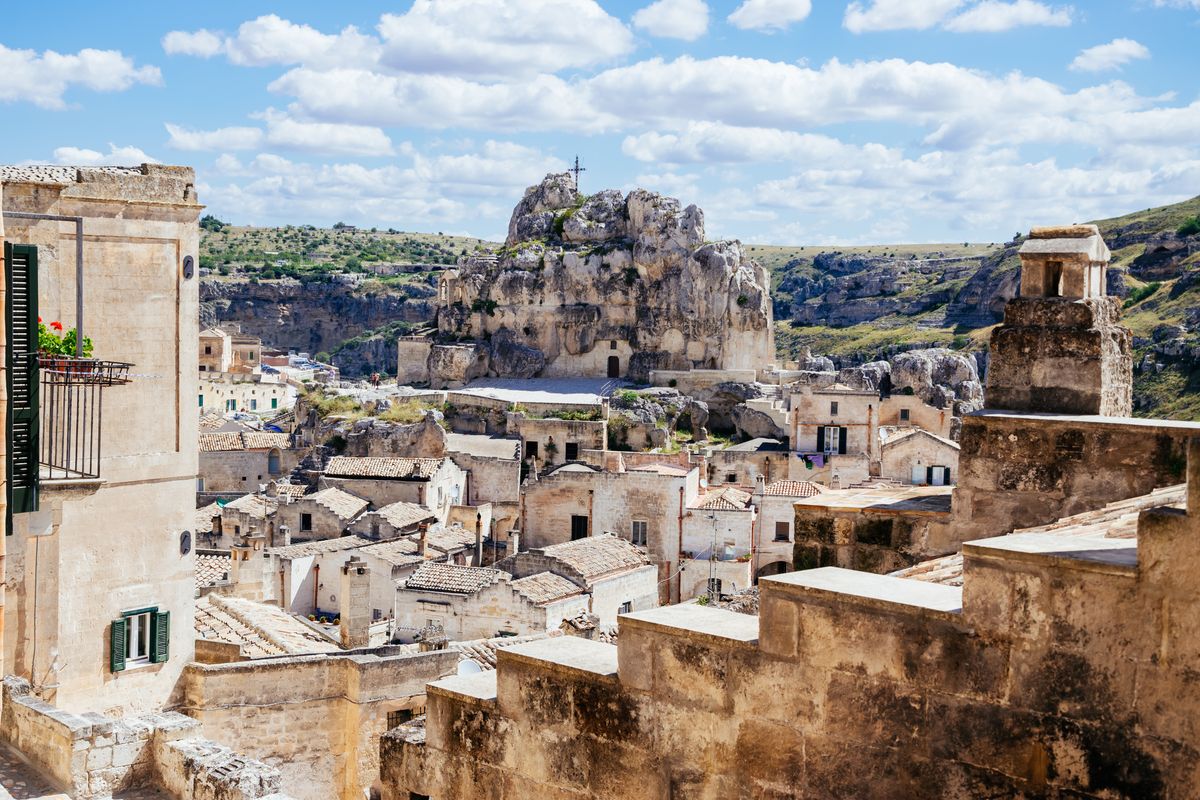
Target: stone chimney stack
1062	349
354	604
478	539
422	538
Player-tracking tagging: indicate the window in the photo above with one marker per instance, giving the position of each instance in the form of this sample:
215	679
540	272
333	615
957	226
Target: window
250	355
231	405
274	402
306	522
572	451
202	401
273	465
904	415
531	449
398	717
207	350
783	531
833	409
831	439
626	607
203	368
579	527
139	637
638	534
612	345
731	477
253	405
199	484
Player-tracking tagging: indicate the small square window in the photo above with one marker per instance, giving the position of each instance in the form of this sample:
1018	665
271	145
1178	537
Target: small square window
572	451
833	409
612	345
783	531
731	477
137	638
306	522
904	415
638	534
399	717
626	607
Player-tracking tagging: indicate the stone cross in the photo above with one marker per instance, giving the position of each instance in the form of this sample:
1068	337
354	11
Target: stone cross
576	170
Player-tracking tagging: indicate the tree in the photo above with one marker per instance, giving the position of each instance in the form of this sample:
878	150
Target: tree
210	223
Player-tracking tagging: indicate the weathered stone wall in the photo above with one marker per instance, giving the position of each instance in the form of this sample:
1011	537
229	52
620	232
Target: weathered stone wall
1055	671
316	718
490	480
247	394
243	471
866	540
584	434
413	360
495	610
898	458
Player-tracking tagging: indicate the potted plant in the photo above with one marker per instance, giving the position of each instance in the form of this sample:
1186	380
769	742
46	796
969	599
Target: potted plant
56	349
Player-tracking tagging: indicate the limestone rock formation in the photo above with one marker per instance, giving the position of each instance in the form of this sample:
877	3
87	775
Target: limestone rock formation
602	284
938	376
375	438
753	424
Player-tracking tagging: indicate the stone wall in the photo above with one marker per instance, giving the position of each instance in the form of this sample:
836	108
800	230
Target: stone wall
900	455
413	359
873	540
248	393
1061	668
316	718
495	610
243	471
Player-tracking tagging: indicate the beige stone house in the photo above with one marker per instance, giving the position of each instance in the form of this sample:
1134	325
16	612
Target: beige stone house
617	575
718	531
326	514
774	533
392	521
216	350
466	603
251	515
547	441
918	457
100	559
244	461
252	393
435	483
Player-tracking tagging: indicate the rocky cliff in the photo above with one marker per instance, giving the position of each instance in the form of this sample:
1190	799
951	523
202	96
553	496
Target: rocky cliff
582	280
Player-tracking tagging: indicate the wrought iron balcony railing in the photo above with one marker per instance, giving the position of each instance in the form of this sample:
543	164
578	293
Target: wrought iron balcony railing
70	405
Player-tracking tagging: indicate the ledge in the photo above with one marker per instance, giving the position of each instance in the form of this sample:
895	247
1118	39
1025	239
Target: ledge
1092	553
477	689
867	589
568	655
693	621
1086	419
69	488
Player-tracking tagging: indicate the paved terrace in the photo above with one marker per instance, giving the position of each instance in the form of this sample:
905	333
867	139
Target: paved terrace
931	500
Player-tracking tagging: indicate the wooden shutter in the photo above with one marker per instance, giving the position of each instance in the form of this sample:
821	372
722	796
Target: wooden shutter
21	321
117	635
842	440
160	636
821	439
929	475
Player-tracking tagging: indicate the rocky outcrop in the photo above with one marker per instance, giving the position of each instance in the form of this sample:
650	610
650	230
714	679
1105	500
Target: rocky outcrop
375	438
753	424
456	365
940	377
582	280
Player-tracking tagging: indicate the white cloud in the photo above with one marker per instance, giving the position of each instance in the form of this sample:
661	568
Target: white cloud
43	78
894	15
994	16
232	138
1104	57
675	19
202	43
769	15
115	157
710	143
1178	4
517	37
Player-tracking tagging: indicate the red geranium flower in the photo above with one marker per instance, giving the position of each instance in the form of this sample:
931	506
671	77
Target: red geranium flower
56	325
39	320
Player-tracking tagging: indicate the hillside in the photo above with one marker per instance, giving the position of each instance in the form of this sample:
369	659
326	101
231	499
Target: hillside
351	292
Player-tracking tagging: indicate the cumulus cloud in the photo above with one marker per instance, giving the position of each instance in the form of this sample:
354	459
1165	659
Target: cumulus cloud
43	78
115	157
286	132
202	43
769	15
993	16
894	15
1104	57
271	40
674	19
232	138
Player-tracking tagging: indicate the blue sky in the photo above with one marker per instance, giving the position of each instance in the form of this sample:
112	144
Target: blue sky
787	121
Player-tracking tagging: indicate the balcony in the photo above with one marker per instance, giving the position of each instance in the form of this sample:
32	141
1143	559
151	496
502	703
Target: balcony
70	405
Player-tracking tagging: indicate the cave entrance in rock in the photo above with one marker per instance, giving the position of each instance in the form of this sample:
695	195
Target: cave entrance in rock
614	367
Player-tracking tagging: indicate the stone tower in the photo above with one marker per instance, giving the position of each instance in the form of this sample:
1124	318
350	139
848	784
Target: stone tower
1062	348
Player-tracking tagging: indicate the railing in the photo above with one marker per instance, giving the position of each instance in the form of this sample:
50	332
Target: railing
70	406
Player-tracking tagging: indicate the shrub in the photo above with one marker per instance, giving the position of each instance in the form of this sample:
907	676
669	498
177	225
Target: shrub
960	342
743	300
1190	227
1141	293
627	396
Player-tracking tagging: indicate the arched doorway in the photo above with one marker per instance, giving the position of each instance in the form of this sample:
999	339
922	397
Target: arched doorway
774	568
614	367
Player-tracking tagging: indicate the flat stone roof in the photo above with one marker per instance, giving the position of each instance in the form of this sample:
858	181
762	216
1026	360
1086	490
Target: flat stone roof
480	445
1088	419
476	688
569	653
571	391
1097	550
881	590
912	500
699	620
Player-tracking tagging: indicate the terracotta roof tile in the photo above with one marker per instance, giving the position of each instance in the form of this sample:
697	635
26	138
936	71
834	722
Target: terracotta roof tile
545	587
728	499
257	440
254	505
402	468
343	505
792	489
218	442
292	491
404	515
397	552
211	569
452	578
597	556
319	546
205	517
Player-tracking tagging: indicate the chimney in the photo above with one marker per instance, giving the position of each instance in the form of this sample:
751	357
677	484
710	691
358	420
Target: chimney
478	539
354	604
760	485
285	535
514	542
422	539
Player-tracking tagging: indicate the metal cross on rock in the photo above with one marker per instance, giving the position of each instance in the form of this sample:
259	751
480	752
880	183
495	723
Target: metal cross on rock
576	170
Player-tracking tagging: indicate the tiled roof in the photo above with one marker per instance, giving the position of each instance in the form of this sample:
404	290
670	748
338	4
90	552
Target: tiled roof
293	491
728	499
319	546
661	469
404	515
483	651
1115	521
211	421
254	505
205	517
211	569
449	538
596	556
397	552
404	468
343	505
545	587
452	578
261	629
248	440
792	489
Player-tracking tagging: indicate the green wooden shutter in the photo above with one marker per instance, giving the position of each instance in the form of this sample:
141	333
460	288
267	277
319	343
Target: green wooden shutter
117	644
160	636
21	321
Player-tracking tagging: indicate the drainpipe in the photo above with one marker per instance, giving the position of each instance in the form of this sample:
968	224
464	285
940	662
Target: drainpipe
591	504
3	439
679	553
478	539
316	587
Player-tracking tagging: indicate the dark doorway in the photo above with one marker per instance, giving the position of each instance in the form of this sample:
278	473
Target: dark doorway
614	367
579	527
572	451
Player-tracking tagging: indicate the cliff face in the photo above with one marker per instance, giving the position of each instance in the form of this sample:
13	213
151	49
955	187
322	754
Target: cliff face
311	317
581	281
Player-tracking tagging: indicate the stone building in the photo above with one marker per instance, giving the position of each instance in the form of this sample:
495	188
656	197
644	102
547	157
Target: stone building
466	603
249	516
917	457
88	621
604	286
326	514
244	461
216	350
435	483
392	521
251	393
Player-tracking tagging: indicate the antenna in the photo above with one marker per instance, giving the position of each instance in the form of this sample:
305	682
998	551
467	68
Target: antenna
576	170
